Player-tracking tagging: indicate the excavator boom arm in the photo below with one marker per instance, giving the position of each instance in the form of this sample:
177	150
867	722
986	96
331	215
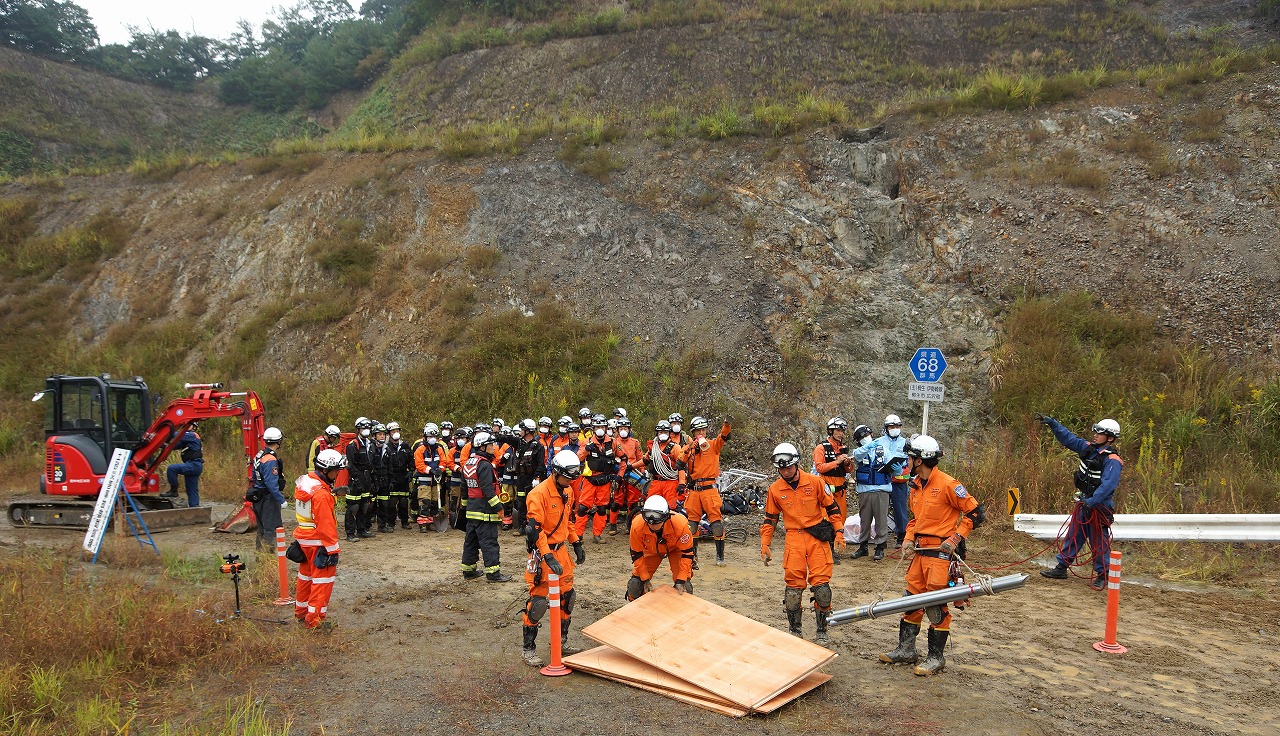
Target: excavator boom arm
164	434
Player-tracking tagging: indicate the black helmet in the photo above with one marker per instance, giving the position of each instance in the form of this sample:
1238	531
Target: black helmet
859	432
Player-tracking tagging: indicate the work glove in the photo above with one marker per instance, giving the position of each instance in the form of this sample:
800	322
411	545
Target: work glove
284	504
330	560
840	545
579	553
1044	419
554	565
764	554
950	543
341	490
909	548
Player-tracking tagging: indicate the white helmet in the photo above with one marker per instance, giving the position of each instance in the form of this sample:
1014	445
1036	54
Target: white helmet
785	455
393	426
332	431
431	430
1108	427
893	425
566	464
272	435
656	510
480	439
924	447
330	459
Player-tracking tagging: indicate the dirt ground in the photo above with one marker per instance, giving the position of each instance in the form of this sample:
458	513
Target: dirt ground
418	650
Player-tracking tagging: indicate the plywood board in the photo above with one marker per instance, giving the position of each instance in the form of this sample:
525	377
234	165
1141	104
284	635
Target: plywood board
810	682
716	706
609	662
736	658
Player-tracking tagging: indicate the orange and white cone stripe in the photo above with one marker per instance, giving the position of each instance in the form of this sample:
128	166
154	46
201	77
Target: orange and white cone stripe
1109	644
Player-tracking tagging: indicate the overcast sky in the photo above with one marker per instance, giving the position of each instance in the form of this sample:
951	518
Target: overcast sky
216	18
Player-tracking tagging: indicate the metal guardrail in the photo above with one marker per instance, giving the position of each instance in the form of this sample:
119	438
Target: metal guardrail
1166	527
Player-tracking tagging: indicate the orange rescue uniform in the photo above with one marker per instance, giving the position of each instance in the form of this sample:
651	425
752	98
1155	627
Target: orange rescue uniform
834	474
551	510
673	541
317	529
939	510
703	469
806	562
630	457
668	488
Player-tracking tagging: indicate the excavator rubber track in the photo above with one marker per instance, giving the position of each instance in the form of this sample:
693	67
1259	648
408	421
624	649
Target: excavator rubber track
72	513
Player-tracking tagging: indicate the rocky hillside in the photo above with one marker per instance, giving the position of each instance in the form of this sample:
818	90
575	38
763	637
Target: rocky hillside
790	277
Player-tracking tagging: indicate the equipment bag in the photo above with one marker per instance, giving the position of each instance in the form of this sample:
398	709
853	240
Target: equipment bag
823	531
295	553
733	503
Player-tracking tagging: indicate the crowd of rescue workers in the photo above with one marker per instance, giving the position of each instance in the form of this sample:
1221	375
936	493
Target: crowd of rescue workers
558	484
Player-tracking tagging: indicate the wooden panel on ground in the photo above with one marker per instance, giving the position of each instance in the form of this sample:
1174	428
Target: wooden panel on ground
607	662
736	658
715	706
811	681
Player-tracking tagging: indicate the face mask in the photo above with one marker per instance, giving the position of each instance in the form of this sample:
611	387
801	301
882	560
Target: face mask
564	430
623	433
431	440
895	432
600	432
395	436
675	428
445	433
864	441
544	430
663	437
364	433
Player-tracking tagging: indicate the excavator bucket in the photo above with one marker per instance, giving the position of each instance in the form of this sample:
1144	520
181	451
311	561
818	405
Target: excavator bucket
239	521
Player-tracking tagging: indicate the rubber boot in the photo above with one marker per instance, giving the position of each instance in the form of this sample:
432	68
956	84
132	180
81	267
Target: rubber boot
879	555
906	651
565	648
1057	573
530	650
719	553
861	551
795	621
821	637
935	662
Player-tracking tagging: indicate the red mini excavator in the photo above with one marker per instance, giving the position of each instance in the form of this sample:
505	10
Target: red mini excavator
89	417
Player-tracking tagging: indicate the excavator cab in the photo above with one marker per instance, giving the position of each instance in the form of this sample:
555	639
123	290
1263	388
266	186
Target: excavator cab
86	419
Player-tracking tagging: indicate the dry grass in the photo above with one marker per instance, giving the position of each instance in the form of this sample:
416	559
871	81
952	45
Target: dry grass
1204	125
125	631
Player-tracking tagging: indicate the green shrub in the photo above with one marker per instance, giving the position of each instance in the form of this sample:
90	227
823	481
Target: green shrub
1188	415
726	122
347	255
79	246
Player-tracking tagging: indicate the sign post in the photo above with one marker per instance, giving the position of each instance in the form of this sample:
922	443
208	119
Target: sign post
111	485
927	365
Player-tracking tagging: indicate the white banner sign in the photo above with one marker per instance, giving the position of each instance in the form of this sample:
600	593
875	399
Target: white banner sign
106	500
917	391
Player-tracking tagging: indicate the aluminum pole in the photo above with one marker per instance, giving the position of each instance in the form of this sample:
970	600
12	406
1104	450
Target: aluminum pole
920	600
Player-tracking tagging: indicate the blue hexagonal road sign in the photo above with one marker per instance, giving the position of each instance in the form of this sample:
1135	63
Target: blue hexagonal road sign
928	365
